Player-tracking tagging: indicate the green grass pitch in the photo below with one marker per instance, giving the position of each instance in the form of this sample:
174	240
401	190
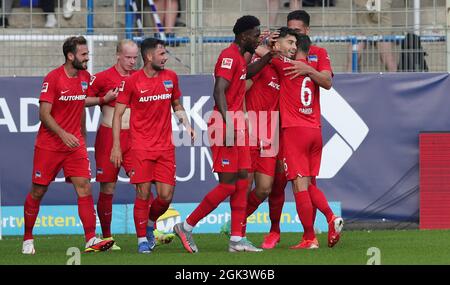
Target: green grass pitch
396	247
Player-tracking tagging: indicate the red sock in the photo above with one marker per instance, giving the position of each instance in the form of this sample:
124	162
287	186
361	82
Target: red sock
104	212
238	205
253	203
86	212
320	201
276	201
305	211
141	210
158	207
210	202
30	213
313	181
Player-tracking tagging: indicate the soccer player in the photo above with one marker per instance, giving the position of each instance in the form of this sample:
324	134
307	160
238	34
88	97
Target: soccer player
231	159
103	91
300	118
150	93
318	68
60	143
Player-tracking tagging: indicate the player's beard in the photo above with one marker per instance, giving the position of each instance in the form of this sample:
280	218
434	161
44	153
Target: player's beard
250	48
79	64
157	67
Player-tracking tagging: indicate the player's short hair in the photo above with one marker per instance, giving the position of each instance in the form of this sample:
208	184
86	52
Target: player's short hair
285	31
303	43
299	15
245	23
70	45
122	43
150	44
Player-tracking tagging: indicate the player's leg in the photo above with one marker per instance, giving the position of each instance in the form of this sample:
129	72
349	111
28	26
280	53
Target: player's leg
318	198
141	210
226	165
305	212
46	165
106	174
276	202
86	212
30	213
158	207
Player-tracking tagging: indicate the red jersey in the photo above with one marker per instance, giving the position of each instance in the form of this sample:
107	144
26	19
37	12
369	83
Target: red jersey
319	59
263	95
231	65
150	100
67	96
106	80
299	101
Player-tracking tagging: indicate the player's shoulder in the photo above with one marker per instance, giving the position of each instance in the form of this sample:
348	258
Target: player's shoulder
317	50
104	73
55	73
169	73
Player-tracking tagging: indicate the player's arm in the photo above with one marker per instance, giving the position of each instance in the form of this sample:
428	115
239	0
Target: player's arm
49	122
83	125
220	86
298	68
255	67
180	113
110	96
248	84
116	151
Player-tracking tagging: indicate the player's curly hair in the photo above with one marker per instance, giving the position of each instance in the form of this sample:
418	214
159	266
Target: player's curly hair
245	23
70	45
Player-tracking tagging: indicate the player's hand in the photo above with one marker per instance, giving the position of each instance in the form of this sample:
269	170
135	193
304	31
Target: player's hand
116	156
111	95
69	139
297	69
192	134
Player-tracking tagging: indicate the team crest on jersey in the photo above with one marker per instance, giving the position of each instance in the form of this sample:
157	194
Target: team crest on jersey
168	84
44	87
99	170
312	58
84	85
122	85
225	162
227	63
92	80
37	174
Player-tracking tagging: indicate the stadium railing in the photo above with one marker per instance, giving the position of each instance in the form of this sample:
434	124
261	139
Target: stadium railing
29	50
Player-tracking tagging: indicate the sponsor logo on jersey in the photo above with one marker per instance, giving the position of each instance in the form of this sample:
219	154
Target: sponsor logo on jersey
227	63
44	87
155	97
72	98
274	85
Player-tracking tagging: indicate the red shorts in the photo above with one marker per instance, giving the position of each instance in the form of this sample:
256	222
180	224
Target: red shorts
47	164
105	170
264	165
152	166
302	151
230	159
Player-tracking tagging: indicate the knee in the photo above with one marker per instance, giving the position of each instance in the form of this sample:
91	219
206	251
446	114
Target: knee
38	191
84	188
108	188
142	192
167	197
265	191
242	174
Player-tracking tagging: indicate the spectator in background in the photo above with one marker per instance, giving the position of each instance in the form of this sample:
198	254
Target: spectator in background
5	11
274	6
167	12
48	6
374	18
